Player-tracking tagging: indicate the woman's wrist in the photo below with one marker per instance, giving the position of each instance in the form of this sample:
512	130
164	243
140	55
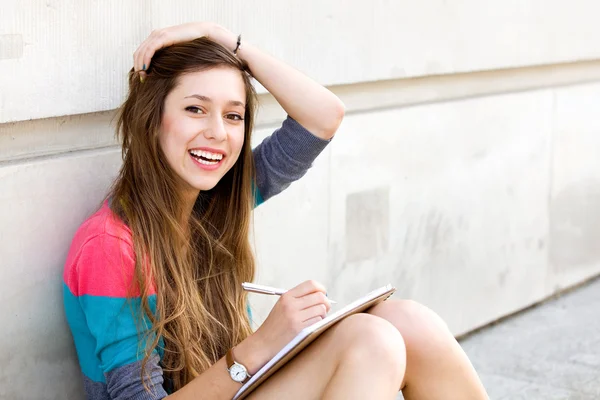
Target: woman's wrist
253	353
222	36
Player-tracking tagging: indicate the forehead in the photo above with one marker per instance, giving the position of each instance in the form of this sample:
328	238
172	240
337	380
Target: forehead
220	84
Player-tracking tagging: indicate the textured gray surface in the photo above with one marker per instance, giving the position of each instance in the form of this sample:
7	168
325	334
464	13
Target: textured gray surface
549	352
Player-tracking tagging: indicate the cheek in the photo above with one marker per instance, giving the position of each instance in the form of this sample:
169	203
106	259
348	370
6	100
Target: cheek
171	135
168	141
237	141
163	141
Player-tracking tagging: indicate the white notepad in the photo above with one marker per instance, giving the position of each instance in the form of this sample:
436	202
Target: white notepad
308	334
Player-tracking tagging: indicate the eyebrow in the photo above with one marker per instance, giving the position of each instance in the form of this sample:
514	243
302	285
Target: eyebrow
209	100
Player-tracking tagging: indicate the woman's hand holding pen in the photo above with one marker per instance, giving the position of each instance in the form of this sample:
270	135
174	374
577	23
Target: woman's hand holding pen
296	309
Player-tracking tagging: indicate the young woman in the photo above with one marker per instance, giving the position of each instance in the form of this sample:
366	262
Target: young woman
152	282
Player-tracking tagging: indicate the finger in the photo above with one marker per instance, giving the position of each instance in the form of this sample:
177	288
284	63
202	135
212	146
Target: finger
138	54
151	47
139	68
313	299
138	61
318	310
136	57
306	288
163	38
311	321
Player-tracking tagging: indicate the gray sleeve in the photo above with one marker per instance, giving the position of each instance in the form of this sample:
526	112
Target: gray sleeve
125	383
285	157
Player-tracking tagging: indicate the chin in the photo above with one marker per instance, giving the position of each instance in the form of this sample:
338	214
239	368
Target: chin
204	185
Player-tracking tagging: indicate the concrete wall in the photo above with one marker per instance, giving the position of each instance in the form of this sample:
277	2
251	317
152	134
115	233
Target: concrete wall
465	173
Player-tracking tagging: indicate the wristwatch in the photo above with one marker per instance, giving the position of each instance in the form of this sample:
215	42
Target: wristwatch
237	371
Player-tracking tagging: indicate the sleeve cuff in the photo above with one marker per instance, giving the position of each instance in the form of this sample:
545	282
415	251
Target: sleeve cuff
299	143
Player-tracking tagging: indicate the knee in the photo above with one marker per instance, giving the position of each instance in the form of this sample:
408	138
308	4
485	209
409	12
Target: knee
422	315
418	324
373	340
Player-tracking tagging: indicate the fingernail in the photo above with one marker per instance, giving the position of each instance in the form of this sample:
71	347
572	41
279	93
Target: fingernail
144	67
142	78
326	295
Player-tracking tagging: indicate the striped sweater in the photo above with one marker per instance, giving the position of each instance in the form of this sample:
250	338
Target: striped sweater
100	266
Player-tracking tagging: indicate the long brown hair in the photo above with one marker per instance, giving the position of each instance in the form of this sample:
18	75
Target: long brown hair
196	269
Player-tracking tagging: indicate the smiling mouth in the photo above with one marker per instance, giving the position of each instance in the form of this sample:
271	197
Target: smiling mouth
206	157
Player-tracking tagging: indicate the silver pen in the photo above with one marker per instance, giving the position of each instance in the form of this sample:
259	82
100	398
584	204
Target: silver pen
262	289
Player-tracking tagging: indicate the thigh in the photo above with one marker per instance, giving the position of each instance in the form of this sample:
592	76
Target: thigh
307	375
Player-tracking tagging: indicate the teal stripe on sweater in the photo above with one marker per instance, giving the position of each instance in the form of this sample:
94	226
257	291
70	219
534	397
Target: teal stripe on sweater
105	330
85	344
258	199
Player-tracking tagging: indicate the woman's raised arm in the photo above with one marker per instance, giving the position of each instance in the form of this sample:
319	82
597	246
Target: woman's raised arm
309	103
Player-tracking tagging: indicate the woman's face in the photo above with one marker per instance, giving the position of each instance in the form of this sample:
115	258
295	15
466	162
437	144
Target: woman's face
202	130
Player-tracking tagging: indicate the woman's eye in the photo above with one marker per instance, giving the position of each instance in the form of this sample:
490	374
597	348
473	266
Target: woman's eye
194	109
235	117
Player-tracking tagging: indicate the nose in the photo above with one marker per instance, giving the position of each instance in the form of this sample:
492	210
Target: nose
216	131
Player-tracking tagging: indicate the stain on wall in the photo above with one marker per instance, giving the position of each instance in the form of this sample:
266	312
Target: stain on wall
367	224
575	226
11	46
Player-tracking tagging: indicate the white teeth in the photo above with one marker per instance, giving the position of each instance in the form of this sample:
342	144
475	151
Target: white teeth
206	154
201	161
214	156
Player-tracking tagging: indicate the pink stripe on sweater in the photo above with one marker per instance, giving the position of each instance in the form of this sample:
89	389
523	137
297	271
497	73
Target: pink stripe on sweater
101	260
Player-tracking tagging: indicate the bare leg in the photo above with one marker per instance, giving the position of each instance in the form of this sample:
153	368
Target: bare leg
362	357
437	367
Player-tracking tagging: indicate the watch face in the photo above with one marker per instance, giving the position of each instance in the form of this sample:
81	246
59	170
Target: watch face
238	372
